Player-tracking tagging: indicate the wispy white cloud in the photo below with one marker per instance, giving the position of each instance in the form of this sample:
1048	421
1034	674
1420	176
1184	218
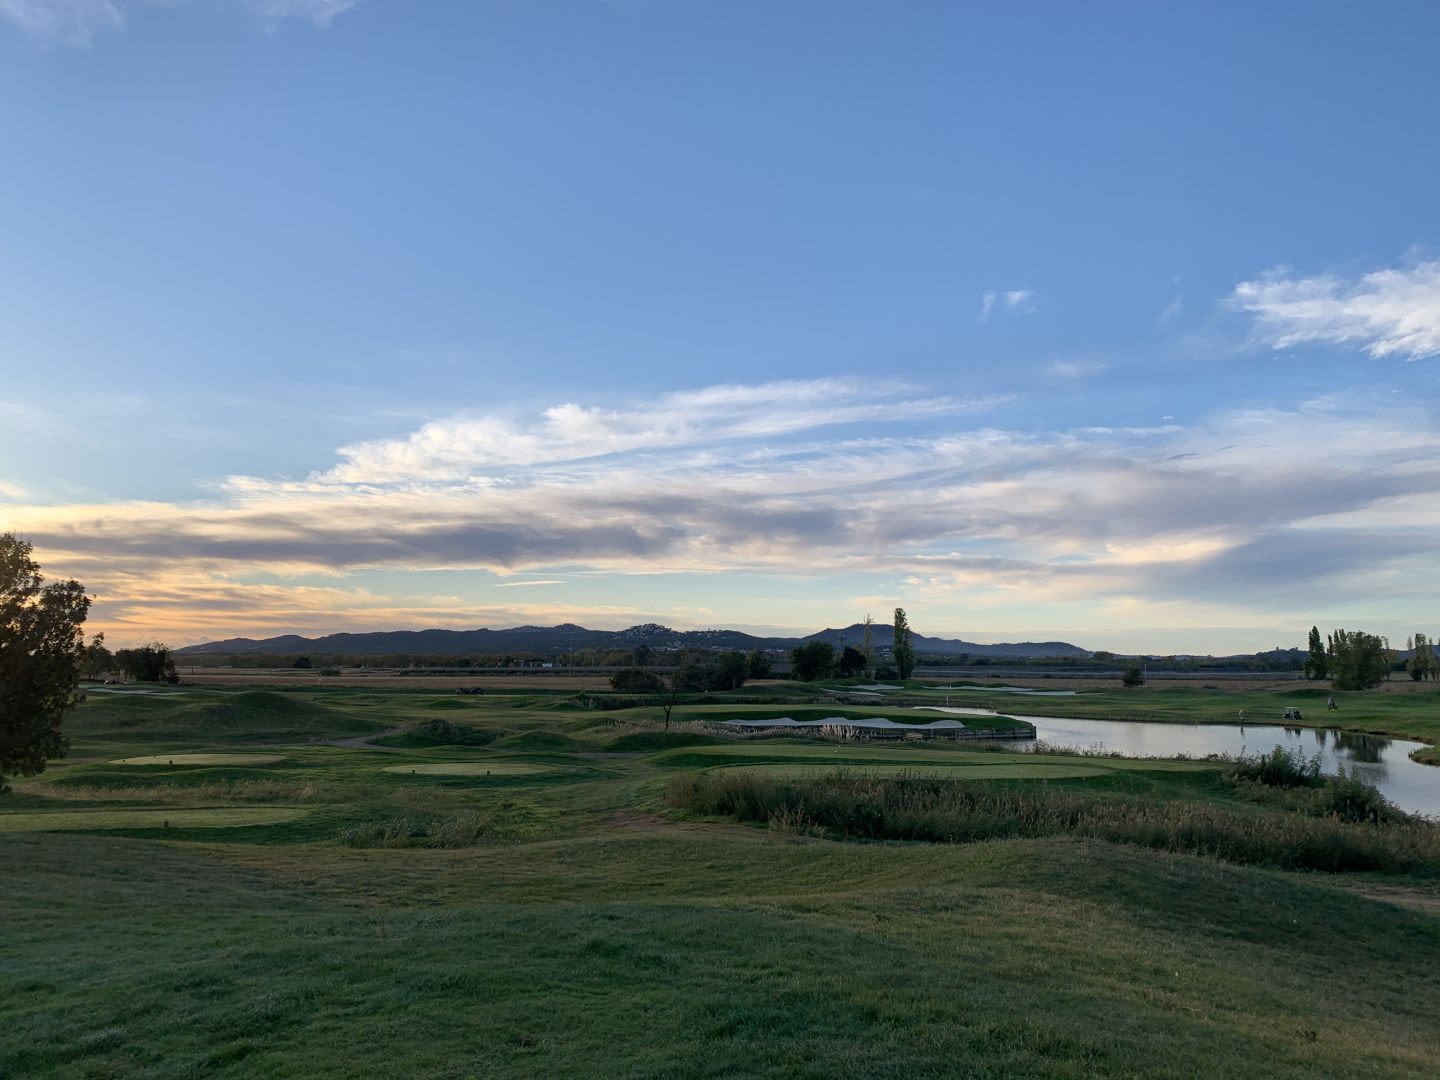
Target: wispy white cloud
71	22
527	584
476	446
1077	369
317	12
1006	300
1387	312
79	22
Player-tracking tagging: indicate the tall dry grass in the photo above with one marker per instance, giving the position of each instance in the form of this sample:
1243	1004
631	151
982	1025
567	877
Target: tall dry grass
914	807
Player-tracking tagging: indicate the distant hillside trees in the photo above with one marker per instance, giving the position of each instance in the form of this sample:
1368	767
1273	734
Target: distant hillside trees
1422	663
1357	660
903	649
813	660
99	661
42	653
758	664
148	663
636	681
728	671
851	662
1317	663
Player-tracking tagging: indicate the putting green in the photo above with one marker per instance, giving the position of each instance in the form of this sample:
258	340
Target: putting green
472	768
219	817
201	759
1018	771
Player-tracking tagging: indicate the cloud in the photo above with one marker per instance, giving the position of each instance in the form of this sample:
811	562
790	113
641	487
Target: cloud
317	12
71	22
1006	299
526	584
759	480
1077	369
1386	312
468	447
79	22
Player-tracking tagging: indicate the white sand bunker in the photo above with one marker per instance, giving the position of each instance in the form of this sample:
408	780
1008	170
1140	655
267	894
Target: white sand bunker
201	759
473	768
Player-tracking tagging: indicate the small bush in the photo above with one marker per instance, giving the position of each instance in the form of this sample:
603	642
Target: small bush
1349	798
1279	768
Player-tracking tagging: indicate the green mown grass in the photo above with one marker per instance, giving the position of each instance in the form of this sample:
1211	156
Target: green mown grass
569	922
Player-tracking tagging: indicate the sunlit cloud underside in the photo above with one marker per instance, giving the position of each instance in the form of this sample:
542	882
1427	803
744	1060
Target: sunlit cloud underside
836	483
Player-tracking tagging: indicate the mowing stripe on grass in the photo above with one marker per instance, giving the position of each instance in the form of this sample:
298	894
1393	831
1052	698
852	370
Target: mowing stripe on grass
201	759
472	768
216	817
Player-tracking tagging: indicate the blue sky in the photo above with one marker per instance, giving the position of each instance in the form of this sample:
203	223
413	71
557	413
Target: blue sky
1116	322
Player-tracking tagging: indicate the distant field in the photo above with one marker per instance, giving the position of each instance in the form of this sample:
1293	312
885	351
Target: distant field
291	677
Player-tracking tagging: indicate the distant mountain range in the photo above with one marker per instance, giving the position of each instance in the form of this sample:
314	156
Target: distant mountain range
556	640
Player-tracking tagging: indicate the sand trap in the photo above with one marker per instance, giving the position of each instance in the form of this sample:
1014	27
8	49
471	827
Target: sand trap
472	768
221	817
201	759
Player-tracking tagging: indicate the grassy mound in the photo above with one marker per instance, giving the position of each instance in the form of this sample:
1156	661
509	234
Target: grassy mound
542	740
437	732
254	714
649	742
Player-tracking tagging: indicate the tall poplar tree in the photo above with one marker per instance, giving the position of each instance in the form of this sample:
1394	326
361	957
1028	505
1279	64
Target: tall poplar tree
903	650
1317	664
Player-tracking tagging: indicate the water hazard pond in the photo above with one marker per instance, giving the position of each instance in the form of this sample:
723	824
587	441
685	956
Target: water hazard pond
1380	760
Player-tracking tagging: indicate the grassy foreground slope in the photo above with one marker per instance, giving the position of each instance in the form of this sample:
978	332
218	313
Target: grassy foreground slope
549	916
668	952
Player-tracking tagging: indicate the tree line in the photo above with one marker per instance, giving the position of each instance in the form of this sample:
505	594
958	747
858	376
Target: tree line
1355	660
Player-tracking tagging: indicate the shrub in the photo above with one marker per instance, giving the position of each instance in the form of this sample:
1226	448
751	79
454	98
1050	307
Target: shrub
1279	768
1134	676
